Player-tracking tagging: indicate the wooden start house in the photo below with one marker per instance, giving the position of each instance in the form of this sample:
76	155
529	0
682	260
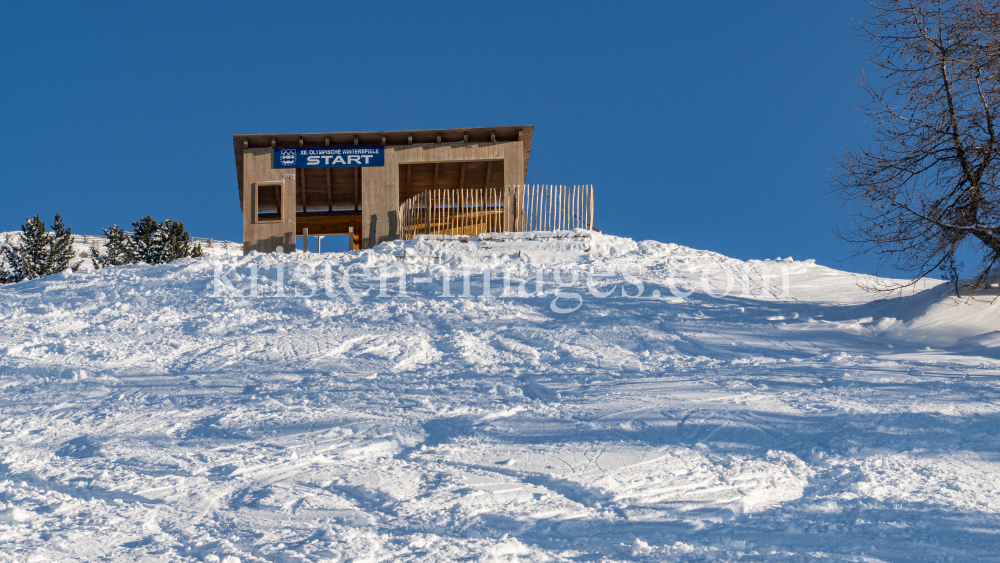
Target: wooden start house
387	185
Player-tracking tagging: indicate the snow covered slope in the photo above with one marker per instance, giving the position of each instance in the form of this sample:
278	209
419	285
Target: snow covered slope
152	414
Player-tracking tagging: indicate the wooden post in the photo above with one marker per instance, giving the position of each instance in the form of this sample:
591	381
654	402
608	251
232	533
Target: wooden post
541	207
531	207
572	208
356	188
329	190
305	239
563	200
350	238
591	208
538	207
563	207
427	214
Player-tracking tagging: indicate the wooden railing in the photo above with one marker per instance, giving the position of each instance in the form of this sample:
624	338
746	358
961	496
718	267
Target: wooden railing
514	208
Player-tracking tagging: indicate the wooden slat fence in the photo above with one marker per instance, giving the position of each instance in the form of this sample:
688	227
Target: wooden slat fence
555	208
519	208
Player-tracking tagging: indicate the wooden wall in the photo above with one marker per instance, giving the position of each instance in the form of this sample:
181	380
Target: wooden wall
513	176
380	201
267	236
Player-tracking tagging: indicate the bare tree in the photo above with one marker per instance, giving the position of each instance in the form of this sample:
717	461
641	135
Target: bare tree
926	185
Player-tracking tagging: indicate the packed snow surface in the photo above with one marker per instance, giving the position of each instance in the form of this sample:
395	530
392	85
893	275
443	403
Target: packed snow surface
196	411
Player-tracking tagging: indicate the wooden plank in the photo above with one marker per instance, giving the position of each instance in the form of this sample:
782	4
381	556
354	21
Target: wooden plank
380	201
356	171
327	225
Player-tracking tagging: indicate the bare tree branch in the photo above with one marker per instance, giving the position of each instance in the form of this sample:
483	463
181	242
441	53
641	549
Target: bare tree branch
926	185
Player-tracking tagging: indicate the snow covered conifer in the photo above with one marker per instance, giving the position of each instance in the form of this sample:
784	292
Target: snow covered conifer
37	253
11	264
61	253
118	249
175	241
197	251
34	249
146	240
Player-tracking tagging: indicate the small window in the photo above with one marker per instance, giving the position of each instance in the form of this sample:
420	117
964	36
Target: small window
268	202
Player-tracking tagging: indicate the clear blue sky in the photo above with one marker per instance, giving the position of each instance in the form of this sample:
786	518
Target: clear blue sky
707	124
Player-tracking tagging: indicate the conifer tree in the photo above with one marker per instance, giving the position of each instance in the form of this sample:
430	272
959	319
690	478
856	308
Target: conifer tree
118	249
197	251
37	253
175	242
61	253
34	249
146	240
11	264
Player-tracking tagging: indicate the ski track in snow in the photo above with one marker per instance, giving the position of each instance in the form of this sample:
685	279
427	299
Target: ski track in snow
145	419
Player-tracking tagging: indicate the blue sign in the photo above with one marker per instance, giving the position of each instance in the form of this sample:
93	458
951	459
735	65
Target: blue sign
328	157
